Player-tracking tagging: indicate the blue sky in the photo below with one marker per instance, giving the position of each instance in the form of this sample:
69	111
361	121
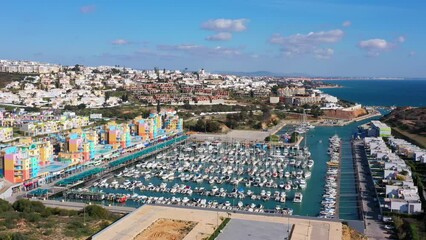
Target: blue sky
328	38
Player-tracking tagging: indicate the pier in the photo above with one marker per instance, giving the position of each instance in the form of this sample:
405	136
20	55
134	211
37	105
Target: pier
349	205
370	209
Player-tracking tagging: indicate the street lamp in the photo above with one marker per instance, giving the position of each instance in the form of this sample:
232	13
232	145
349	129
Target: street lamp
84	214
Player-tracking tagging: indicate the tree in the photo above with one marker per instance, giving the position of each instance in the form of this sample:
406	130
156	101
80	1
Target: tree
158	107
272	138
294	137
213	126
81	106
316	111
97	212
243	115
5	206
125	97
274	90
200	126
266	112
186	105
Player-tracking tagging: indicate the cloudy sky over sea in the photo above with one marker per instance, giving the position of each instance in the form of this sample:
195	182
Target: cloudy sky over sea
331	37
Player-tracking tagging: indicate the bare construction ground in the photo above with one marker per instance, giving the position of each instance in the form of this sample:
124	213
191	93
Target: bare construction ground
166	229
206	221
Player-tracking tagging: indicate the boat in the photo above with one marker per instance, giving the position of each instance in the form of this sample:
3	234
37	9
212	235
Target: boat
298	196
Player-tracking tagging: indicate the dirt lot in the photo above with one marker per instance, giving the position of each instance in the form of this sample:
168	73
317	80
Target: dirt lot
350	234
167	229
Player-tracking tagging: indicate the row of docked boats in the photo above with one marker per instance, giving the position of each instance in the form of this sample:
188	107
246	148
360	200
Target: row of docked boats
216	171
249	167
108	198
330	196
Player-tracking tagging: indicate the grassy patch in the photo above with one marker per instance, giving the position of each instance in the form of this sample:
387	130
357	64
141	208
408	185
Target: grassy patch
413	138
219	229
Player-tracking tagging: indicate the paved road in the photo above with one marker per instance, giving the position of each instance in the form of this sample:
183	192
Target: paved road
370	205
81	205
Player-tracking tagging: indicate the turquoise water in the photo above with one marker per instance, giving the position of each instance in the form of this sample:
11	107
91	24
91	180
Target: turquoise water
312	195
381	92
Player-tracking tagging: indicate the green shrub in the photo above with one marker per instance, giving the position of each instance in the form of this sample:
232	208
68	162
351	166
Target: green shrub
63	212
10	219
47	232
37	206
96	212
25	205
46	213
31	217
5	206
22	205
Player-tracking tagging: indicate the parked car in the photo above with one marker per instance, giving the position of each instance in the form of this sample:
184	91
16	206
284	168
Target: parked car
389	227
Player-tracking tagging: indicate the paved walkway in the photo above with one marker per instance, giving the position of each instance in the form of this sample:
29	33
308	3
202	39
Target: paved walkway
80	205
370	205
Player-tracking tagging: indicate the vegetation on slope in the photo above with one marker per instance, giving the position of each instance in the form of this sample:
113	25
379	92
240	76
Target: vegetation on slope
412	120
408	123
25	219
6	78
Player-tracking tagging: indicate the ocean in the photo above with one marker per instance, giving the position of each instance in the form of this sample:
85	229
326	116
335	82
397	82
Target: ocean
381	92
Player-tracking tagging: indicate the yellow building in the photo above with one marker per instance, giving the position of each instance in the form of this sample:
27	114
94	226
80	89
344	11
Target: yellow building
6	134
46	153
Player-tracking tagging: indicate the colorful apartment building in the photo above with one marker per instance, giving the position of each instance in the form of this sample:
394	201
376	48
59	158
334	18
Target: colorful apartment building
21	163
118	135
79	147
158	125
6	134
45	127
46	153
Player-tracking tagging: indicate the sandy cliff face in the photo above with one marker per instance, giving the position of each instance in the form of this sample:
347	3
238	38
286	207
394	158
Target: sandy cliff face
341	114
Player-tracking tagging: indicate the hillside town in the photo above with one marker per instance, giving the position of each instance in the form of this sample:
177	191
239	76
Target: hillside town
92	86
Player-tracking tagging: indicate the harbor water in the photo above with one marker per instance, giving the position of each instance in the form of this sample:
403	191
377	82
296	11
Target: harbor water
317	141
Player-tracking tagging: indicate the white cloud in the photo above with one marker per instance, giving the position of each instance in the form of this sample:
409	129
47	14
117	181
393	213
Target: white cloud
401	39
222	36
225	25
346	24
200	50
310	43
324	53
87	9
120	42
376	46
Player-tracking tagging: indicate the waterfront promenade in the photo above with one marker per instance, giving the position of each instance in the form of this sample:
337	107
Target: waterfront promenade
374	227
